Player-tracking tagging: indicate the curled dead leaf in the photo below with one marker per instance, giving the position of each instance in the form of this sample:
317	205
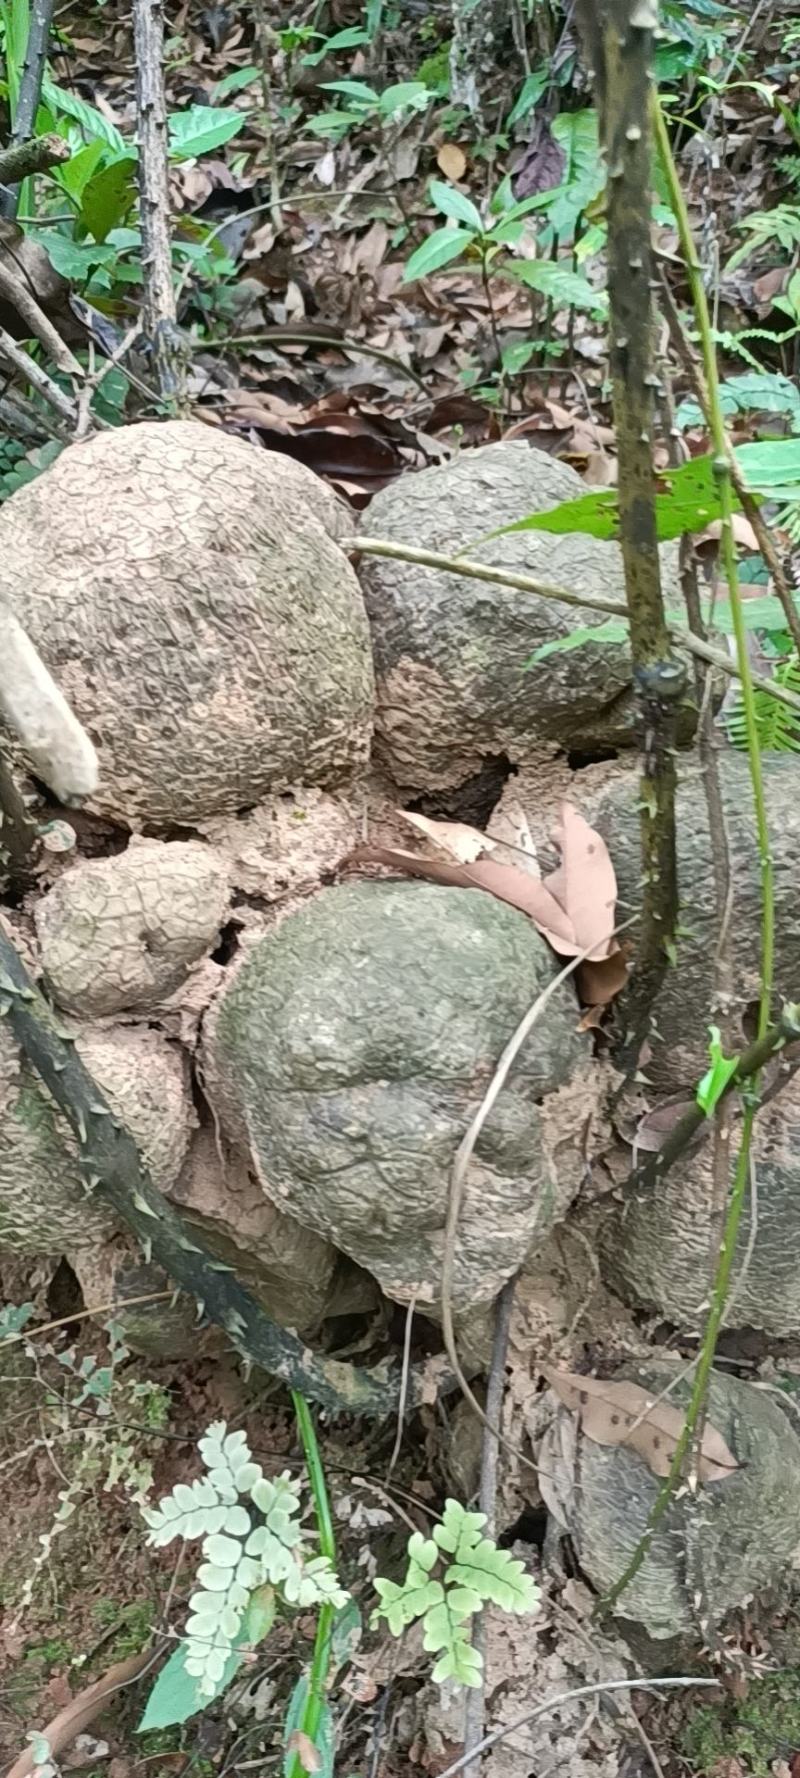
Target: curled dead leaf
616	1412
451	160
454	838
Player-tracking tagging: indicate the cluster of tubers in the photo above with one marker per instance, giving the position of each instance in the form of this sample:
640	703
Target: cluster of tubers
298	1058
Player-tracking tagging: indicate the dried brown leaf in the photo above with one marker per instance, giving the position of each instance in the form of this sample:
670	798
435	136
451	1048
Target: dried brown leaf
617	1412
451	160
584	883
599	981
303	1746
502	880
657	1125
453	838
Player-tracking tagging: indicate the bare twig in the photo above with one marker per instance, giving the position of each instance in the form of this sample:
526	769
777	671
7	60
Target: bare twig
159	315
39	380
475	1705
21	298
578	1691
30	87
528	583
266	40
76	1716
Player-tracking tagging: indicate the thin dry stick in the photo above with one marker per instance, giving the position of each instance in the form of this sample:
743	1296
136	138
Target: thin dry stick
20	297
23	158
578	1691
401	1406
159	314
475	1705
528	583
265	37
458	1175
19	360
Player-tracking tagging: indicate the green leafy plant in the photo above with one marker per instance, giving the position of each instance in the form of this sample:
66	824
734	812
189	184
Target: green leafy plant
449	1578
777	726
366	106
244	1549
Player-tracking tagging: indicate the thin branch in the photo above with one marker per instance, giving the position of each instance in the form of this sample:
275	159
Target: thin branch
267	41
618	36
39	380
111	1163
159	315
542	589
30	88
19	834
21	159
578	1691
20	297
475	1703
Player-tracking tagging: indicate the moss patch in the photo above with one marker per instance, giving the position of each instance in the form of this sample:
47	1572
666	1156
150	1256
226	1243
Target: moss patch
757	1729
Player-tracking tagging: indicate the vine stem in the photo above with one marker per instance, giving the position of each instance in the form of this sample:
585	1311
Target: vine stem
736	1202
320	1661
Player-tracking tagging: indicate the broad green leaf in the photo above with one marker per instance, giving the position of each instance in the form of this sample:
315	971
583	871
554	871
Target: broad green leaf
534	85
235	82
455	204
349	38
92	121
723	1068
442	246
176	1694
201	128
108	197
754	391
75	173
333	123
690	504
74	259
324	1738
406	95
772	467
615	629
568	290
352	89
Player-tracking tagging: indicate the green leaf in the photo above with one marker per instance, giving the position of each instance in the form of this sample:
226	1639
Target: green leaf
176	1694
407	95
753	392
235	82
442	246
455	204
479	1566
201	128
691	503
324	1739
97	127
566	289
534	85
352	89
74	259
615	629
349	38
772	467
108	197
78	170
400	1605
713	1084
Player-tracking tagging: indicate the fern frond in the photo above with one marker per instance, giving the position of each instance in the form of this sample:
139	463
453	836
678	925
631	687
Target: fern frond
777	726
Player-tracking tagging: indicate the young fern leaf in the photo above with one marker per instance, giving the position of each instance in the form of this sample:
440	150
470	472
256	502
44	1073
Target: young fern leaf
238	1555
477	1563
447	1633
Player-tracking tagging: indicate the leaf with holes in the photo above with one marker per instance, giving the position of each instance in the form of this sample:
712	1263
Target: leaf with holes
616	1412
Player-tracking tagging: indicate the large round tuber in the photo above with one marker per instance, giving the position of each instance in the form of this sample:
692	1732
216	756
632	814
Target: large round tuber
453	655
121	933
351	1050
684	1008
714	1549
186	590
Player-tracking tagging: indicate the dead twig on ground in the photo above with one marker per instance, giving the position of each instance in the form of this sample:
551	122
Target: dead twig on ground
20	297
578	1691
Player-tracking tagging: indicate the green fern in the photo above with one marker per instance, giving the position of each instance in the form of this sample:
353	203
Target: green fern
476	1573
778	727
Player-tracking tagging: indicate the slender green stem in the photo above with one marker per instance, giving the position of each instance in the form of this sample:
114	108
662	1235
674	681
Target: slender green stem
320	1660
716	426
